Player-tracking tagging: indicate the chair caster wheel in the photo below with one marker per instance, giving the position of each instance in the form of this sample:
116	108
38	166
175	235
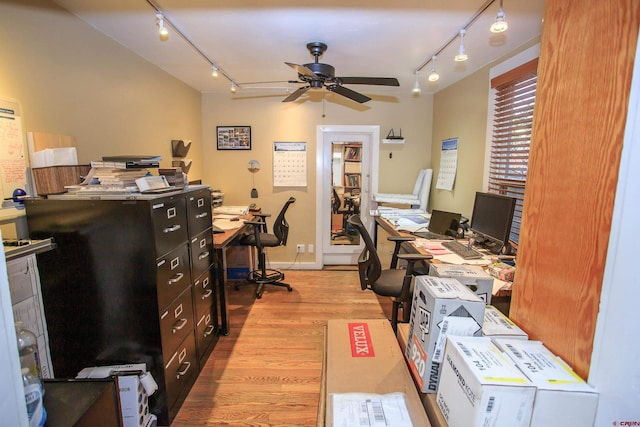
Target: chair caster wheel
289	289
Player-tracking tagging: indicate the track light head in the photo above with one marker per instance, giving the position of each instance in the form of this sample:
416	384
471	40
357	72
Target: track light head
214	71
234	87
462	54
162	30
416	87
500	25
433	76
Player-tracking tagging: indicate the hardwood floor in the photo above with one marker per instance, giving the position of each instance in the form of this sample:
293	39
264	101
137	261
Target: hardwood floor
267	371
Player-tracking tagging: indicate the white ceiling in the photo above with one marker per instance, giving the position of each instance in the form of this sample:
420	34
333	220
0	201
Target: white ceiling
251	39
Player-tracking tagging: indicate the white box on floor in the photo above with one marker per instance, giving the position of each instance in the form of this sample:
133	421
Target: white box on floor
474	276
481	387
562	397
135	384
440	307
497	325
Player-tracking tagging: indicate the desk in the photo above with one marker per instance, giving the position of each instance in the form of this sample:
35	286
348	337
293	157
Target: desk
500	297
221	241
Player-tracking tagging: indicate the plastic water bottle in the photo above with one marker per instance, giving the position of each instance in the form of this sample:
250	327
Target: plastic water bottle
28	349
33	395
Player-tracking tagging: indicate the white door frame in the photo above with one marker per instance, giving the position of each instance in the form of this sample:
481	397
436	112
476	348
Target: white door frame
371	154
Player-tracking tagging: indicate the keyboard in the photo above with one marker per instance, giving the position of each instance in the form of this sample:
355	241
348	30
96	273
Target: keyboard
431	235
462	250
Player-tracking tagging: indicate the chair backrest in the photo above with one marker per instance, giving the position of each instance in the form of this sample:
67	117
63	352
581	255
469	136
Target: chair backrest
335	202
425	189
281	226
419	181
369	265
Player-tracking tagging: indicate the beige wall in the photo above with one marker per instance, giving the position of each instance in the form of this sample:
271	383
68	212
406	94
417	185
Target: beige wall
71	79
460	111
271	120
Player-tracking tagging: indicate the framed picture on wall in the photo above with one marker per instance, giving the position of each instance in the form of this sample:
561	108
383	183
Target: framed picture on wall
234	137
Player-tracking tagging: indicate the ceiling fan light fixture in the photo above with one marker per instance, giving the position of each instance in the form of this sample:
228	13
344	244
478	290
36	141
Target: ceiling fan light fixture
500	25
214	71
162	30
462	54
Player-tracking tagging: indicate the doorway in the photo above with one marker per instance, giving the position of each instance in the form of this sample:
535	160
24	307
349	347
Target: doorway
347	158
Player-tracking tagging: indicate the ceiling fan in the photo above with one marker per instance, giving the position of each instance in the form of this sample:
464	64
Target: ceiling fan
317	75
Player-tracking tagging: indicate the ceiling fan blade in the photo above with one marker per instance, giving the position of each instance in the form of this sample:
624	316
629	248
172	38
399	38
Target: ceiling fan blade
340	90
380	81
295	95
301	69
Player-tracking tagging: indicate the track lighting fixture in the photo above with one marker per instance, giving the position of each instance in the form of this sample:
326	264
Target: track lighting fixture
500	25
214	71
416	88
462	55
433	76
234	88
162	30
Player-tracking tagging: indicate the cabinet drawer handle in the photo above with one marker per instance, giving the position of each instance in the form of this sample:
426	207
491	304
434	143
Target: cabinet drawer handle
175	279
201	215
172	228
208	331
184	370
207	294
179	325
203	255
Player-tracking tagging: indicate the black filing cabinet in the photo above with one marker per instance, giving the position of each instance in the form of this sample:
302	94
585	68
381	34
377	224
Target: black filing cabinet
130	281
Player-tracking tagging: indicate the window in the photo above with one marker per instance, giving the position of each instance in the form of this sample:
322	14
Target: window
515	94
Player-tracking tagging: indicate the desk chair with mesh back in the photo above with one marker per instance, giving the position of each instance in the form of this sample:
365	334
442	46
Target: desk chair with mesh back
346	211
394	283
261	239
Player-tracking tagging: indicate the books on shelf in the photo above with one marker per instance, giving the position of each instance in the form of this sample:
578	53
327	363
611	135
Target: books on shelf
352	153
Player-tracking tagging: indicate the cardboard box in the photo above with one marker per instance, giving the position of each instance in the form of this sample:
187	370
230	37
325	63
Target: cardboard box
474	276
53	179
428	399
133	382
238	259
497	325
481	387
363	356
562	397
441	306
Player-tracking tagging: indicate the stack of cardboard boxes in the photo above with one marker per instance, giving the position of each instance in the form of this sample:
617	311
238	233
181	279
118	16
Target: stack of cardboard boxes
480	367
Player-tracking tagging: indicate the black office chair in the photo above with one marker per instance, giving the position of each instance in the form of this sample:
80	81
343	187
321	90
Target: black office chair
261	239
345	212
394	283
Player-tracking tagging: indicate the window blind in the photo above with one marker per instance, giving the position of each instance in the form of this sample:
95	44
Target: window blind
515	94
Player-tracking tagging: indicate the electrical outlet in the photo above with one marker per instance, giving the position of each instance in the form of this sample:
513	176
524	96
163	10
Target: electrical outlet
310	248
300	248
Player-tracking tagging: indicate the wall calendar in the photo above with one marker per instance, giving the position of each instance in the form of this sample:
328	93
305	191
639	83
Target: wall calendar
289	164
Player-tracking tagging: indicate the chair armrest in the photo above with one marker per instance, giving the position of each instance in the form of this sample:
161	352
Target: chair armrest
261	215
396	250
415	257
257	223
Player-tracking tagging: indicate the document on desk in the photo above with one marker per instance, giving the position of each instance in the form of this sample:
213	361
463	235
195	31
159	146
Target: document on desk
227	224
410	224
231	210
369	410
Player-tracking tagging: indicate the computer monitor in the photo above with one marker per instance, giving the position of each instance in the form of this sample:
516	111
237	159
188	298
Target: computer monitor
491	220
